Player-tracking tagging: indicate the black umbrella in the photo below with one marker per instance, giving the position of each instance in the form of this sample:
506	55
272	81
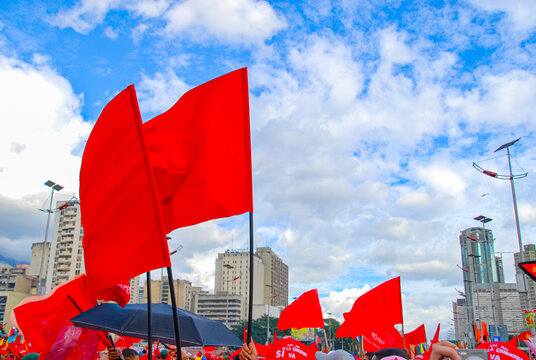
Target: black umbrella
195	330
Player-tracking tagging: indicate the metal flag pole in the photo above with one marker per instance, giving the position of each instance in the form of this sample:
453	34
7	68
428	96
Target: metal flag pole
250	305
174	308
149	333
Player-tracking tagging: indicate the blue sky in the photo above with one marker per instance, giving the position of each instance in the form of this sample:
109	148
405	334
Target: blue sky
366	117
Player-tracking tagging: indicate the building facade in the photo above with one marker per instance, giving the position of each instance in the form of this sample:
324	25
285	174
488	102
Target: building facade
275	278
223	307
232	277
160	293
525	285
66	258
15	285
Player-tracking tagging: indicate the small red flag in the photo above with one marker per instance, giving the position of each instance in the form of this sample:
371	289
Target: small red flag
200	151
380	307
529	268
415	337
124	232
304	312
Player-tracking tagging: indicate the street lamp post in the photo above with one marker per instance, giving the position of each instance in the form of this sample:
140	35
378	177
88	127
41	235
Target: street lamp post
40	285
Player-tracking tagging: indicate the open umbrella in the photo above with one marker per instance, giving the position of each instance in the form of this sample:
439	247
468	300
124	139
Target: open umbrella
195	330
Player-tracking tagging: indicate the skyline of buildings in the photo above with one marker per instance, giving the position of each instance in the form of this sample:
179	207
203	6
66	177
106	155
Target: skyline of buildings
487	299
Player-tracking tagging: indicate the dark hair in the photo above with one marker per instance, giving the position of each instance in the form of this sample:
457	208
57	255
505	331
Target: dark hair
129	353
390	352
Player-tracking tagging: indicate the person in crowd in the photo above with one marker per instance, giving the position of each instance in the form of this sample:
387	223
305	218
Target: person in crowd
130	354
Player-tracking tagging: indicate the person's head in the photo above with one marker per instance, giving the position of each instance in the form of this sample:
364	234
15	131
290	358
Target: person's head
130	354
391	353
368	355
334	355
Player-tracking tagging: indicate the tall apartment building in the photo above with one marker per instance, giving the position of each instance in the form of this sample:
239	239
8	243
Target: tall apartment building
478	264
160	293
232	277
135	290
526	286
38	260
15	285
275	278
66	253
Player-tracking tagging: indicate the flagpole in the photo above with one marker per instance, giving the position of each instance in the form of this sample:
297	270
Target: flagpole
174	308
149	333
250	305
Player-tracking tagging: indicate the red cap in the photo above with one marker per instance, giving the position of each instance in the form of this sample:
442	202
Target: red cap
287	349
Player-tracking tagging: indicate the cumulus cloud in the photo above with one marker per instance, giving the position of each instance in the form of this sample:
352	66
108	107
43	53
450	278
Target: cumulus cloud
234	21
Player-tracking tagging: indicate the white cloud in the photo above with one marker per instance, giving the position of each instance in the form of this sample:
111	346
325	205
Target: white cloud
159	93
85	15
111	33
527	213
521	14
227	20
41	125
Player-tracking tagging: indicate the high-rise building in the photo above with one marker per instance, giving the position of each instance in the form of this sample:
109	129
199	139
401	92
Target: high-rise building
500	269
66	253
487	297
526	286
135	290
478	264
275	278
232	277
15	285
160	293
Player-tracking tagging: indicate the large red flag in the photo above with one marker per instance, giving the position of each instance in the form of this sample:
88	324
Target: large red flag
41	319
304	312
124	233
200	151
380	307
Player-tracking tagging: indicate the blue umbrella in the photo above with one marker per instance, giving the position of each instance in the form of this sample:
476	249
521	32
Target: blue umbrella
195	330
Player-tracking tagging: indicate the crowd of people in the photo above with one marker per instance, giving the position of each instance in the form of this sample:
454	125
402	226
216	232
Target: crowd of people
281	350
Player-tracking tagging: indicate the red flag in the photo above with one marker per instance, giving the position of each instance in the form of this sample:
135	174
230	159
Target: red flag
382	338
416	337
503	350
200	151
73	343
304	312
380	307
42	318
124	232
529	268
435	339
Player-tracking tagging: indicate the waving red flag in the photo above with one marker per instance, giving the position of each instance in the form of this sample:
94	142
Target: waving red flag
304	312
124	232
44	320
374	340
380	307
200	151
416	337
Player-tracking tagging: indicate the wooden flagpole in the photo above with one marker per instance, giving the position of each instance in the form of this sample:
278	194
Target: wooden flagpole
174	308
149	332
250	307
